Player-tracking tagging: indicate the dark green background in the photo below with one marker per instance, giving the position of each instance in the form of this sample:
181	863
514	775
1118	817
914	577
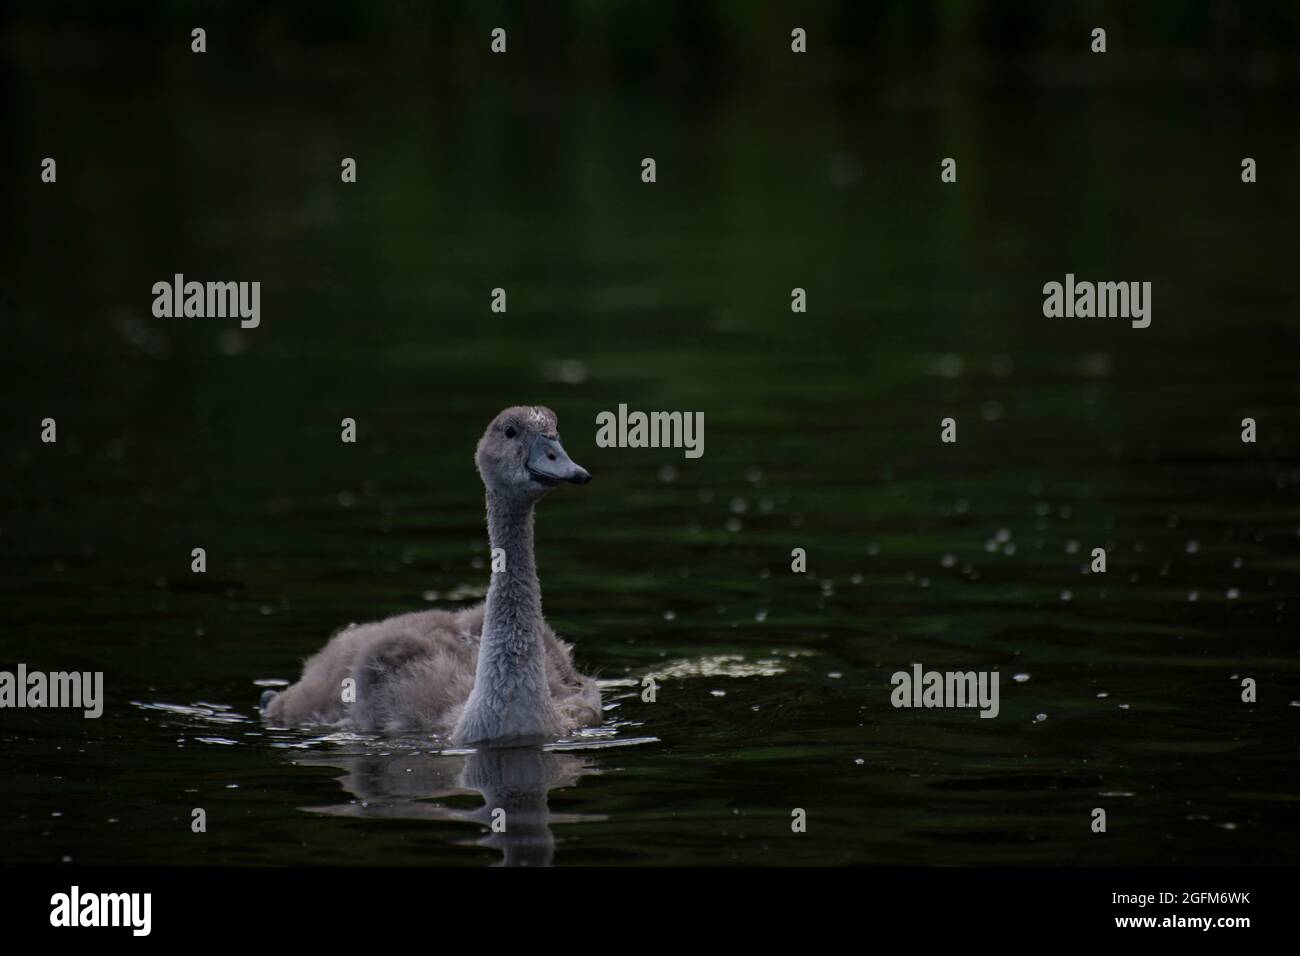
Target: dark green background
774	171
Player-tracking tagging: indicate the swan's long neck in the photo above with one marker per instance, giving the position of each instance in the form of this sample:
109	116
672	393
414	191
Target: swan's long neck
511	698
512	623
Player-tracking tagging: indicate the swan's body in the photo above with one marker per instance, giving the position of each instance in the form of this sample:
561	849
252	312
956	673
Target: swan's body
492	673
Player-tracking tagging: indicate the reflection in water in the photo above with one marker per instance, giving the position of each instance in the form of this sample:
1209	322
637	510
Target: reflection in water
514	782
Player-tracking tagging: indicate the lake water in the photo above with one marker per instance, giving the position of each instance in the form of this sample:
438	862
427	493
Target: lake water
1120	691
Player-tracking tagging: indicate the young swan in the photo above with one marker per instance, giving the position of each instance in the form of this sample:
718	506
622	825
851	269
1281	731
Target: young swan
494	673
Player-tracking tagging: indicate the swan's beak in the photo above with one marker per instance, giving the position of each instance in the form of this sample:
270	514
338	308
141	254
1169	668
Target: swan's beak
550	464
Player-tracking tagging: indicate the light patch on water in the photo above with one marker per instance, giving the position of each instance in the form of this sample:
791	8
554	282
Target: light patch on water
612	683
214	713
719	665
599	743
350	743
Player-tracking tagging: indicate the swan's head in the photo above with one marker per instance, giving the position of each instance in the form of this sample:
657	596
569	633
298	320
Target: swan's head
520	454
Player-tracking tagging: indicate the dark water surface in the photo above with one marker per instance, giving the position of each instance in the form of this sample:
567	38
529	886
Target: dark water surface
822	431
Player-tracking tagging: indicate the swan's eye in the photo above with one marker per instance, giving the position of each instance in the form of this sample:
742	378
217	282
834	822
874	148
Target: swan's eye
510	431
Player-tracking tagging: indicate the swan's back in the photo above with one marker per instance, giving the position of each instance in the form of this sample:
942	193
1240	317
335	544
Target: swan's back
413	673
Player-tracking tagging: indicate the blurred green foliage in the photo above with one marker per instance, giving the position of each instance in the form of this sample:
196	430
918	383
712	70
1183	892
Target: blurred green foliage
697	42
